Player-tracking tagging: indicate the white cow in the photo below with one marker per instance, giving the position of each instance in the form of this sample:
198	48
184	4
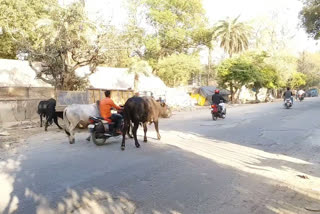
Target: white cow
76	113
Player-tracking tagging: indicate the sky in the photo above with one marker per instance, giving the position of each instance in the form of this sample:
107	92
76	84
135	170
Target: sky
286	10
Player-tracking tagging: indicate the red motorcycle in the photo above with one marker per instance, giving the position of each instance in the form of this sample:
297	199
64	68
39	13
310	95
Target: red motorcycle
218	111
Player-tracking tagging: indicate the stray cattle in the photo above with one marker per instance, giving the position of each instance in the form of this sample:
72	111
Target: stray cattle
78	113
47	109
143	110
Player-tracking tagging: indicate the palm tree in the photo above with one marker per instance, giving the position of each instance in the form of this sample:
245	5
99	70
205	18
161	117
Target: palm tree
232	35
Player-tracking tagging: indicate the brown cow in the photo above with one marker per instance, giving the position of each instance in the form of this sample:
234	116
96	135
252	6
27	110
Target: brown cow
143	110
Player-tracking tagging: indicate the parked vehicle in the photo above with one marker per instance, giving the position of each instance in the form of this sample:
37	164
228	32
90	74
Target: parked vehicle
312	92
218	111
288	103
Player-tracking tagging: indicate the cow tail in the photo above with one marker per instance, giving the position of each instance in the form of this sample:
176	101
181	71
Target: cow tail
66	122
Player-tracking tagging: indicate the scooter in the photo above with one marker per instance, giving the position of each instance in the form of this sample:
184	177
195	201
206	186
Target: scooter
218	111
101	130
288	103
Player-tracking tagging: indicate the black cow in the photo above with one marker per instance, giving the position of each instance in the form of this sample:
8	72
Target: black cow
47	109
141	110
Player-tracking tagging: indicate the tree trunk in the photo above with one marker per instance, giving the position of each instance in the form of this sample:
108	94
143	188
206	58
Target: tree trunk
238	92
135	83
256	95
209	65
231	91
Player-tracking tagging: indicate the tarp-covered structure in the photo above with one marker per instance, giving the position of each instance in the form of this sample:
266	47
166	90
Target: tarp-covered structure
204	94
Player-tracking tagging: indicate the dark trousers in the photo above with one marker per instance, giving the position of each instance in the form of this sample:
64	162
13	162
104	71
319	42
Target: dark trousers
116	118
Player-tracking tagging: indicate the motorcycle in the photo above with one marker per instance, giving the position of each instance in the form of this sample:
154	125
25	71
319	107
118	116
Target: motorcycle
218	111
300	97
101	130
288	103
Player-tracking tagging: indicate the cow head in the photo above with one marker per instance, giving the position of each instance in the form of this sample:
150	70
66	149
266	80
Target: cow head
165	111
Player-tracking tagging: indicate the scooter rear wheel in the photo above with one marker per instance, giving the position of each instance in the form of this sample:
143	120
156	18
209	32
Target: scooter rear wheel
214	117
97	141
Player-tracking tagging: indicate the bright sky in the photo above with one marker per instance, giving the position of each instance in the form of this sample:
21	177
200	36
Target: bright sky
287	11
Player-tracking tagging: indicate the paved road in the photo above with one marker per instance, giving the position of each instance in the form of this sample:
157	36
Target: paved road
261	159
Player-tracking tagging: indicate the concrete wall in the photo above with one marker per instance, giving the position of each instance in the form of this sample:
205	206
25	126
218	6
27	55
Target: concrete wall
18	110
21	103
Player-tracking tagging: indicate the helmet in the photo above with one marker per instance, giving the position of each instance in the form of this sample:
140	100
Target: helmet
216	91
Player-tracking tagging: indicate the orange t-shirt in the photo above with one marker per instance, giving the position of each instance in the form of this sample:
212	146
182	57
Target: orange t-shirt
105	107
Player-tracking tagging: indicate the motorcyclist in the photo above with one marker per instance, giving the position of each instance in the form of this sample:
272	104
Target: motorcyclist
301	92
288	95
105	110
217	98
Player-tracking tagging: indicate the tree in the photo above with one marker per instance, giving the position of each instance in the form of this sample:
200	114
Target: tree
173	23
18	20
205	36
68	42
234	73
137	68
233	35
298	79
266	76
177	69
310	17
309	64
272	34
250	70
285	64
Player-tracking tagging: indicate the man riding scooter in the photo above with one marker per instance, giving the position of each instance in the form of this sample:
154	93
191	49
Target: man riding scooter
217	98
288	95
288	98
105	110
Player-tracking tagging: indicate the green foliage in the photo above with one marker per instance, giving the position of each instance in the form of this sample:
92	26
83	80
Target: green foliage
68	42
174	23
177	69
18	21
310	17
309	64
285	64
248	70
297	80
233	35
236	72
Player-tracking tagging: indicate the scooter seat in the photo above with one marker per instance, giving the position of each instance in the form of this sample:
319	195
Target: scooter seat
105	121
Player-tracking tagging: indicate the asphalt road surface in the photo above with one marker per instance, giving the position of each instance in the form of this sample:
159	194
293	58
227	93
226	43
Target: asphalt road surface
260	159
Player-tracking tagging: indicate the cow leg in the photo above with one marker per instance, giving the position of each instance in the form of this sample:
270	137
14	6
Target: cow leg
129	135
135	128
124	131
46	125
156	125
88	138
145	129
40	120
55	119
71	137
